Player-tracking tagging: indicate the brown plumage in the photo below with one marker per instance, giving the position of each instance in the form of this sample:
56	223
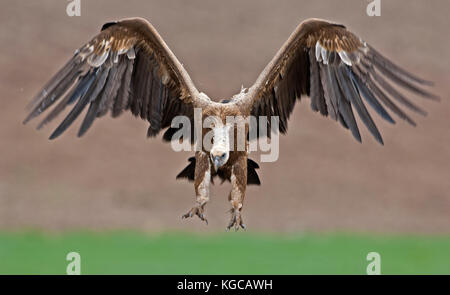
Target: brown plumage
128	67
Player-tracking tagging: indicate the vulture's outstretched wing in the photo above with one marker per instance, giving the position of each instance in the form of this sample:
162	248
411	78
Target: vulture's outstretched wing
127	66
337	70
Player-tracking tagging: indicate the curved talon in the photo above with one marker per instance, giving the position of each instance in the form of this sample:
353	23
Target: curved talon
236	221
198	210
202	217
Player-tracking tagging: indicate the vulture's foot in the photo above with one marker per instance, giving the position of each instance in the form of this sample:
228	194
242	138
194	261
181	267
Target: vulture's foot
236	220
197	210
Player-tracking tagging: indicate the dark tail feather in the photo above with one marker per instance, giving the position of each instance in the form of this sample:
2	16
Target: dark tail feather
252	175
189	171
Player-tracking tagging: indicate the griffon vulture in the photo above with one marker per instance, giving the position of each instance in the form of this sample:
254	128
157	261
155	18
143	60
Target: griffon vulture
128	67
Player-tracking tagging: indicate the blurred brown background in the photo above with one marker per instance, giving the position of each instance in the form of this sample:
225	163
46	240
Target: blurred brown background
323	181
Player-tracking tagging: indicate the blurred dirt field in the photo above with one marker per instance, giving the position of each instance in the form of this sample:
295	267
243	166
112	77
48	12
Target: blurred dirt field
115	178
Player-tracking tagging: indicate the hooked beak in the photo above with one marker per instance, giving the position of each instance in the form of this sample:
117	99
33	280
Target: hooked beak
217	162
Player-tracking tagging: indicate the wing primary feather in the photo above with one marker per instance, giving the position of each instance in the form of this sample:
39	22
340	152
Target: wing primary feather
78	90
54	95
77	109
82	88
123	94
141	77
89	118
100	79
95	103
402	82
343	105
348	119
106	93
55	112
394	93
386	63
56	80
368	95
382	96
351	93
334	87
342	121
328	92
112	88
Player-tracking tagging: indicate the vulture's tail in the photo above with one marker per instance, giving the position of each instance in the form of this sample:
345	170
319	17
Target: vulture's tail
252	175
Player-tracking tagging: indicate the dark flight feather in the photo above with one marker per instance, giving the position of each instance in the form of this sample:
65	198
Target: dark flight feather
123	92
377	92
367	94
78	90
53	94
81	103
111	72
351	93
395	69
318	102
394	93
338	72
327	92
95	102
45	95
345	116
402	82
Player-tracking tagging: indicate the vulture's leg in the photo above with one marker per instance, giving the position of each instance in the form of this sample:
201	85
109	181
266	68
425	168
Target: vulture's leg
237	194
201	182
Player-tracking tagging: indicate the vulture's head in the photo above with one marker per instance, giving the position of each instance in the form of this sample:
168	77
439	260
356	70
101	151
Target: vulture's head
220	149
